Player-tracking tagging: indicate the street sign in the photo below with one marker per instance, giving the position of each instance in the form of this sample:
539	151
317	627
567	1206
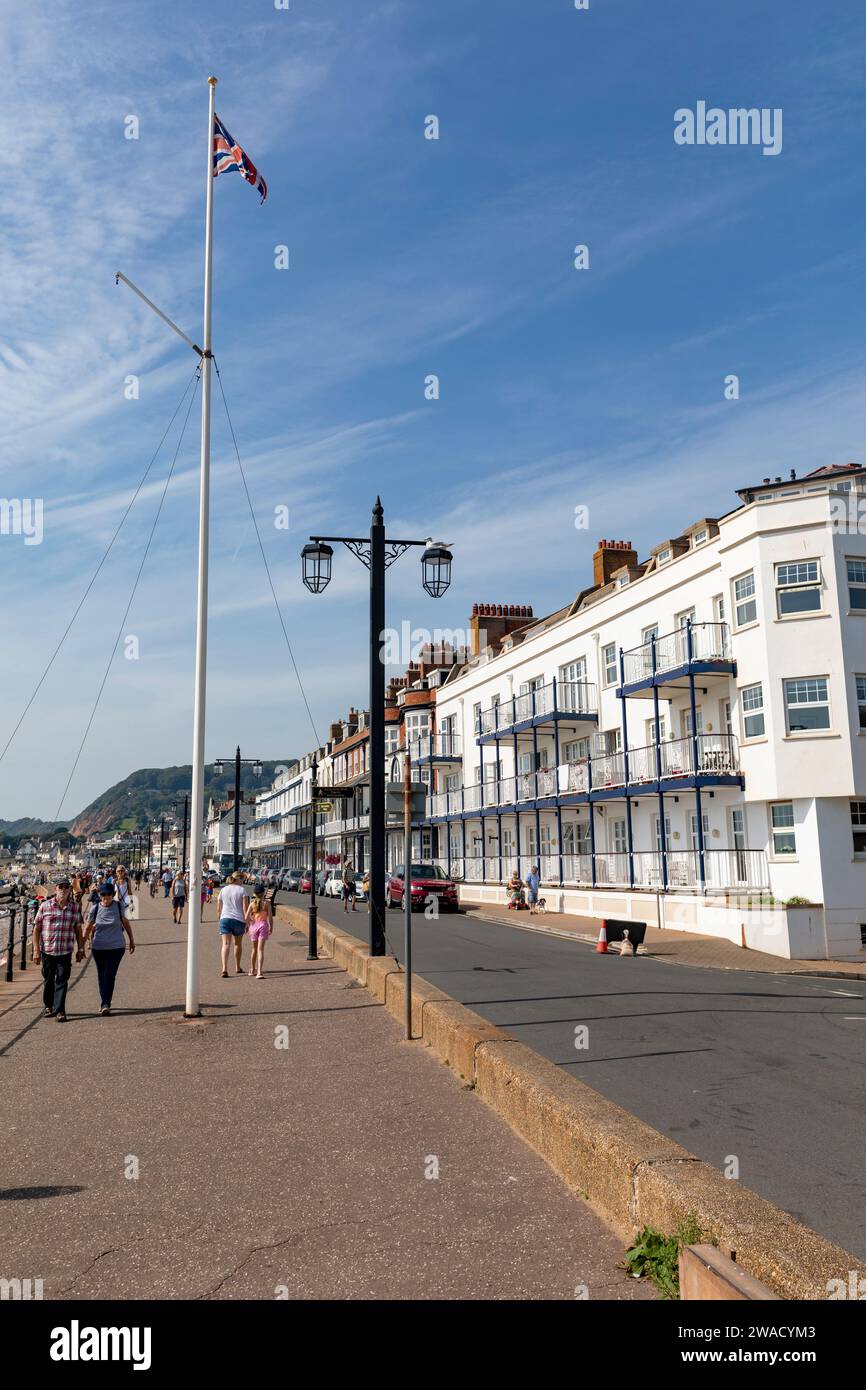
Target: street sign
322	806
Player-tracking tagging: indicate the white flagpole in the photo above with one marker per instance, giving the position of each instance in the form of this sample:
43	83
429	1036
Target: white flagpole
197	809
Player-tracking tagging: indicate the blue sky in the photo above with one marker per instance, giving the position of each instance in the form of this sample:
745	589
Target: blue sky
408	256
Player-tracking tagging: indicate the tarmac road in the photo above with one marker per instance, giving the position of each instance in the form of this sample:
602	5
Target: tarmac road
765	1070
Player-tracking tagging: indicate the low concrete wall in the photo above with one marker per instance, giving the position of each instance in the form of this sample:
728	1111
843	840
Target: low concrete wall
630	1173
794	933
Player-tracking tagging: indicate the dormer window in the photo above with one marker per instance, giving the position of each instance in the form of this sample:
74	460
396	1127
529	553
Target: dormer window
663	556
701	537
622	581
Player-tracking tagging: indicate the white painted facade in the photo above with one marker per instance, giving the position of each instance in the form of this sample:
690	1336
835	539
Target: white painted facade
784	646
281	813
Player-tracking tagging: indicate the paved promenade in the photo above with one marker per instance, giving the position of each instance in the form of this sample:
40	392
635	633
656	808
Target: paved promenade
261	1171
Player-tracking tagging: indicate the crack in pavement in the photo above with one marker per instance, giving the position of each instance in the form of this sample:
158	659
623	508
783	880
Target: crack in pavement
286	1240
115	1250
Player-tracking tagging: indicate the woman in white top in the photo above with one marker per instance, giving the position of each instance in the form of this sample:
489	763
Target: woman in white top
123	890
231	907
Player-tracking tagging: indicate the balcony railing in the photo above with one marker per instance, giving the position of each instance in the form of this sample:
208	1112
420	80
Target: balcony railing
559	697
725	870
444	746
717	755
709	642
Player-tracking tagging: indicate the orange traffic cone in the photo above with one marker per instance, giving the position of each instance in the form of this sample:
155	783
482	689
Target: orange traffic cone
601	944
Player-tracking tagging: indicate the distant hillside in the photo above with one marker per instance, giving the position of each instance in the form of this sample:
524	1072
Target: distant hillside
142	797
28	826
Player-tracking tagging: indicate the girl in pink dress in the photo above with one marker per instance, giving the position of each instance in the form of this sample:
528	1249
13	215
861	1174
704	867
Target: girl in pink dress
260	926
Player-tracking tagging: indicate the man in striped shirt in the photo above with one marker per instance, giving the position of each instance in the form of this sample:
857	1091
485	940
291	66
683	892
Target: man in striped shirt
57	927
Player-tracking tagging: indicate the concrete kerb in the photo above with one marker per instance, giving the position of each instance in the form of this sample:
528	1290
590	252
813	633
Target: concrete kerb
630	1173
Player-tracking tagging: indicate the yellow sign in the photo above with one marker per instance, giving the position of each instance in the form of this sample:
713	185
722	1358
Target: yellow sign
324	806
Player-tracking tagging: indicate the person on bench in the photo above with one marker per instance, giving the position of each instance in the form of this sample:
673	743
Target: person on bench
515	889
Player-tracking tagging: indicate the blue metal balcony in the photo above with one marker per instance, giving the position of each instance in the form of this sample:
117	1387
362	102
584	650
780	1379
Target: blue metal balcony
575	702
710	760
435	748
696	649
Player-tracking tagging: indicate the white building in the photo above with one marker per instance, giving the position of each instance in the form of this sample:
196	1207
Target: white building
220	827
685	742
279	835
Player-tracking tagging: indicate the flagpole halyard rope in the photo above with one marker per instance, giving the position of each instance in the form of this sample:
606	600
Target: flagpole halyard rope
131	596
96	572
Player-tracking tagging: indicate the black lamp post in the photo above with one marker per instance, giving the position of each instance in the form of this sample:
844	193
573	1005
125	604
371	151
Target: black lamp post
161	841
257	770
376	552
185	830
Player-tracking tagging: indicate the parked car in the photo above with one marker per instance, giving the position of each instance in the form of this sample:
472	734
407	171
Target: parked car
305	882
332	885
290	880
427	881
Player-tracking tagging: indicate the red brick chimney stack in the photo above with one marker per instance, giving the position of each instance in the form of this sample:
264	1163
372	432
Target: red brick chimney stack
491	622
610	556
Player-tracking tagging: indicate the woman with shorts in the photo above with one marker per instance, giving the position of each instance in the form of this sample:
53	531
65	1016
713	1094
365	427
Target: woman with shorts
231	906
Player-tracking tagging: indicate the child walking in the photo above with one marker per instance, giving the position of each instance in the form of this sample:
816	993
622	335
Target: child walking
260	925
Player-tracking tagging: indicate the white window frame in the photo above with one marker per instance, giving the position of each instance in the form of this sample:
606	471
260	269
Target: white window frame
798	577
664	556
701	537
819	702
577	751
856	585
753	711
607	667
783	830
686	721
748	599
858	827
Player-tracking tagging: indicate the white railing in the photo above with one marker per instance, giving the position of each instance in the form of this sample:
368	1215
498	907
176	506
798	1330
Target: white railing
436	746
725	870
558	697
716	754
709	642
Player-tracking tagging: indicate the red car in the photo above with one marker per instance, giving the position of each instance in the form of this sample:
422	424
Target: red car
305	882
428	881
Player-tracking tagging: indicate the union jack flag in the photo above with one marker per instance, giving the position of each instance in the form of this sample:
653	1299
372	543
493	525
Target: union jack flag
227	154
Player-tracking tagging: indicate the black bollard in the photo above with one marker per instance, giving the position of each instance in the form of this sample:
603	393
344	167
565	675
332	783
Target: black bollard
25	912
10	964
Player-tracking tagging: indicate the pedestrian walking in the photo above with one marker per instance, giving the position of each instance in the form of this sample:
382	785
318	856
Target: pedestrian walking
178	896
56	928
231	905
166	881
260	924
123	889
348	886
105	928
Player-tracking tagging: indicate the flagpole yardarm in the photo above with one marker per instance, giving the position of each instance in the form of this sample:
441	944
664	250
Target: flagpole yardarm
192	1009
